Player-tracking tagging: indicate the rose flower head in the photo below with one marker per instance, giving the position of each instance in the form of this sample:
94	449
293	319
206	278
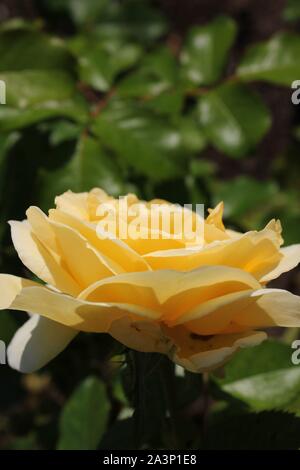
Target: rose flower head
198	297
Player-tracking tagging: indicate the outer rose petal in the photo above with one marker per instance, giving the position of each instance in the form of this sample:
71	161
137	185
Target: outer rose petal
41	261
290	259
76	253
140	335
203	353
170	292
37	342
243	311
69	311
216	315
40	226
83	261
281	306
255	252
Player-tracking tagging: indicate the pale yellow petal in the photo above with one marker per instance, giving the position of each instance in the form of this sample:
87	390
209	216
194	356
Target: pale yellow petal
274	228
214	315
10	286
147	245
135	288
43	262
81	205
140	335
81	258
170	292
199	353
123	258
223	314
203	284
64	309
74	204
213	233
255	252
85	263
36	343
281	306
40	225
233	233
236	312
215	216
290	259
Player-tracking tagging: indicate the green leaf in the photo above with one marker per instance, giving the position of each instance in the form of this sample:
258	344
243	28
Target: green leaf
263	377
141	139
206	51
290	223
134	19
156	74
35	95
271	355
267	391
61	131
84	417
100	62
15	24
247	201
89	167
292	10
24	49
234	118
86	12
202	168
193	137
83	14
276	61
168	103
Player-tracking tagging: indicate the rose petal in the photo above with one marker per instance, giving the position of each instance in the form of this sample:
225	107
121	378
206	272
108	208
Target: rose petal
69	311
255	252
37	342
204	353
43	262
289	260
123	257
140	335
81	259
170	292
245	310
74	204
215	216
201	285
281	306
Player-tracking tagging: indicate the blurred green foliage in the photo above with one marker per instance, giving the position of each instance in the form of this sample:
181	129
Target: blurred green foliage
121	100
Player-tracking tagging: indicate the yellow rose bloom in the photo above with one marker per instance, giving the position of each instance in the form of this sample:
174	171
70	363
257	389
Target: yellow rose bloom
196	300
